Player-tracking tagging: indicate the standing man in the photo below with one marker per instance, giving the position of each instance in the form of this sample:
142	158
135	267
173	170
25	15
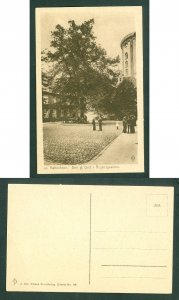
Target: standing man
124	123
94	124
133	123
100	124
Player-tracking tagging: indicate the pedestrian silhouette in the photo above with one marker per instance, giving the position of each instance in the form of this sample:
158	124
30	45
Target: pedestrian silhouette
129	122
124	123
100	124
94	124
133	123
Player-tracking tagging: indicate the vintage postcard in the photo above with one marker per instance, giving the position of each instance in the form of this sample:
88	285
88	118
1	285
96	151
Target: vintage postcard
104	239
89	90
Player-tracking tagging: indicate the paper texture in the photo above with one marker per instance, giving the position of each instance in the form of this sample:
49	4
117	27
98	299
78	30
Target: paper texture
90	239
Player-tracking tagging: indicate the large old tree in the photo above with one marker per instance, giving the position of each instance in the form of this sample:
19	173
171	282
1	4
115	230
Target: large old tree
82	74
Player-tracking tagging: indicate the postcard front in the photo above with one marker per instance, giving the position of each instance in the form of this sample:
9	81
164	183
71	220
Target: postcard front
89	90
90	239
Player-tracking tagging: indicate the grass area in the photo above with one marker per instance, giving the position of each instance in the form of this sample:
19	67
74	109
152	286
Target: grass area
76	143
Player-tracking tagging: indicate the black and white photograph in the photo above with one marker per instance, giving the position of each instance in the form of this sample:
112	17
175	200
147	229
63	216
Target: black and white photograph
89	90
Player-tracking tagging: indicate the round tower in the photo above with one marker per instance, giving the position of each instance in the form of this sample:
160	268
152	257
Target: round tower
128	46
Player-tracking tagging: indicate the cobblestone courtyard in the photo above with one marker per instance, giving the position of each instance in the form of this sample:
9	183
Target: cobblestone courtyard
76	143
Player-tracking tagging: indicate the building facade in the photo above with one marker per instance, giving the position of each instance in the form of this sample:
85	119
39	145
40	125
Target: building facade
120	77
54	108
128	46
49	106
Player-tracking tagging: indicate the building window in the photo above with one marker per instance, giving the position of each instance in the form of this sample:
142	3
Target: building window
45	100
54	113
126	55
126	64
46	113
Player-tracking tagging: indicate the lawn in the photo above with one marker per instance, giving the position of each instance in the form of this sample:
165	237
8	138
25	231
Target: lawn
76	143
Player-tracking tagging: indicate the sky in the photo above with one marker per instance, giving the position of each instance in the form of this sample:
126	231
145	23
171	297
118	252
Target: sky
111	23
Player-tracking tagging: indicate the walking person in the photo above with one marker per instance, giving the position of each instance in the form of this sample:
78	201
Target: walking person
94	124
100	124
133	123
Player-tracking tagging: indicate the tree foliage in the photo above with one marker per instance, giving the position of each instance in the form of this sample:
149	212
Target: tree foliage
82	73
125	100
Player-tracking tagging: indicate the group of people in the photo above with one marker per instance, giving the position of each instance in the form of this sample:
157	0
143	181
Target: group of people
100	123
129	123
